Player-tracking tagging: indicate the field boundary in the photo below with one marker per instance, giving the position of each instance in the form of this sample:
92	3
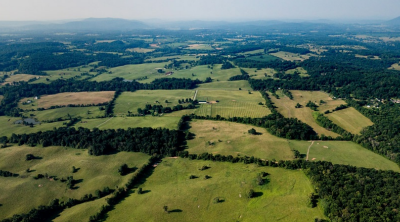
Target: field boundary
308	151
104	122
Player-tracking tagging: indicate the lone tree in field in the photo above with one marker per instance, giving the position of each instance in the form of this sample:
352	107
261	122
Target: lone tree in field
252	131
165	209
250	193
139	191
123	169
298	105
29	157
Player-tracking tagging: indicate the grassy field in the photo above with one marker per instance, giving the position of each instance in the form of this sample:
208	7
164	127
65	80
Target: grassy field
1	98
131	72
233	139
395	66
149	70
231	103
51	114
287	107
81	212
140	50
260	74
61	99
366	57
302	72
170	122
252	52
199	47
131	101
7	126
21	194
290	56
178	57
343	152
67	73
20	77
282	198
263	58
350	119
226	85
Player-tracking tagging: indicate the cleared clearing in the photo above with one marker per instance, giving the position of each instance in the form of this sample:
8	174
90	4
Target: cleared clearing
7	126
290	56
283	198
57	161
300	70
52	114
395	66
350	119
233	139
287	107
131	101
226	85
140	50
231	103
343	152
170	122
81	212
20	77
62	99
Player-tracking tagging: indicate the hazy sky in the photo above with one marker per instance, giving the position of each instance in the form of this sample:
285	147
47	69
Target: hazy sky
11	10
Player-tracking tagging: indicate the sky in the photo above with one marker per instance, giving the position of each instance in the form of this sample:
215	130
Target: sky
173	10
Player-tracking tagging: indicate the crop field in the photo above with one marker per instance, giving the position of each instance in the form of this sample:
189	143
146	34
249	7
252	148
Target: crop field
62	99
7	126
302	72
20	77
290	56
81	212
170	122
226	85
23	193
282	198
287	107
131	101
231	103
51	114
229	138
260	74
131	72
343	152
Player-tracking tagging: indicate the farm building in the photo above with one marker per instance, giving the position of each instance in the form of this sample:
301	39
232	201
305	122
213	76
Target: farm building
202	101
169	73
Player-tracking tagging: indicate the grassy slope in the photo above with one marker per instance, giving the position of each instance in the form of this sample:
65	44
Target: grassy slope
131	71
60	99
57	161
84	112
69	73
232	103
350	119
290	56
260	74
170	122
20	77
226	85
236	140
81	212
343	152
131	101
8	127
287	107
284	198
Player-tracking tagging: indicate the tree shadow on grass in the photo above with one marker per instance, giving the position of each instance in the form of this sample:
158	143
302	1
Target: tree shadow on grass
257	194
175	211
145	191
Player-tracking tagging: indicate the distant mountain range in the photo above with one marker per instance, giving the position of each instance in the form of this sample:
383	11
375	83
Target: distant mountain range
115	24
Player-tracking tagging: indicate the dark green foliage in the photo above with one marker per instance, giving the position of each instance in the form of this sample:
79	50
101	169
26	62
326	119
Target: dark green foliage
312	105
139	190
250	193
340	108
123	169
287	93
243	76
99	142
252	131
328	124
29	157
312	200
227	65
5	173
298	105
